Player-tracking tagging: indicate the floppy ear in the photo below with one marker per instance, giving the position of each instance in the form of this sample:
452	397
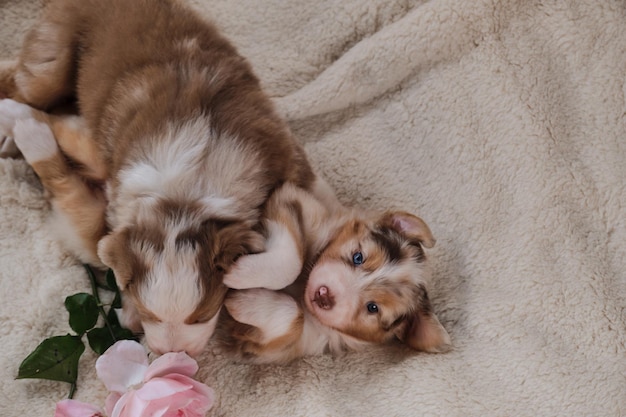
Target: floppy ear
409	225
424	332
114	252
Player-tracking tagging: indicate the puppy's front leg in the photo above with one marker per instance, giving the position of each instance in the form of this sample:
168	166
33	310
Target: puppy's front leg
276	268
276	315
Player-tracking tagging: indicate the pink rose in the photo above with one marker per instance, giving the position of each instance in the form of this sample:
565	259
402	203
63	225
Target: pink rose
164	388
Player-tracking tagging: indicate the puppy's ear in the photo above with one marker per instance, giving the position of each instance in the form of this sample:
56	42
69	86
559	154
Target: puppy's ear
423	331
410	226
114	252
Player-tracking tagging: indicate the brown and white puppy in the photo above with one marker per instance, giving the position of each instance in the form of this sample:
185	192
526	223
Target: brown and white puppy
190	144
360	279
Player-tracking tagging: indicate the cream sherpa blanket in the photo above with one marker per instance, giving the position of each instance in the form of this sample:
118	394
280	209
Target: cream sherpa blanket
501	123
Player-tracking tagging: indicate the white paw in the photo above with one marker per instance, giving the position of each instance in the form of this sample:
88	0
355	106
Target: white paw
10	112
272	312
274	269
35	140
236	303
243	275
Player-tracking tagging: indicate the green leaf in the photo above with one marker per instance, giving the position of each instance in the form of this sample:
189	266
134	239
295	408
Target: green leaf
100	338
117	301
112	318
56	358
124	334
83	310
111	282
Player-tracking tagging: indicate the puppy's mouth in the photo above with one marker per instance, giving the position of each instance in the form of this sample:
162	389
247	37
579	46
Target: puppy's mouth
323	298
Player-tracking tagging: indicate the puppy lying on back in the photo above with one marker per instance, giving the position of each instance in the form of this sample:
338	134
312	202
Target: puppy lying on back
189	149
330	279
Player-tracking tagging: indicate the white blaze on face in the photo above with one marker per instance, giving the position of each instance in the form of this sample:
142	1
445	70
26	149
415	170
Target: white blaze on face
172	292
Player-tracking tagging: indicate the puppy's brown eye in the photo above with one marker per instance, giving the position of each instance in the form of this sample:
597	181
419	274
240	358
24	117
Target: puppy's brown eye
372	307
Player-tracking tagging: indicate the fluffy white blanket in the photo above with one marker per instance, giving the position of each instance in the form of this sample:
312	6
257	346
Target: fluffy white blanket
501	123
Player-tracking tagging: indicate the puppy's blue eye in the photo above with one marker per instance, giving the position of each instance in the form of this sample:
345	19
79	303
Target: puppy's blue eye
357	258
372	307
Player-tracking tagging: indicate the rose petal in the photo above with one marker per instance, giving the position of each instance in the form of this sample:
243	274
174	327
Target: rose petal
122	366
158	410
118	406
172	363
130	406
163	396
111	401
162	387
187	403
74	408
198	386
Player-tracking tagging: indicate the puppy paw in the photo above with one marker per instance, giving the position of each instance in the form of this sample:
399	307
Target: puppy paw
236	304
259	307
35	140
242	274
10	112
273	313
276	268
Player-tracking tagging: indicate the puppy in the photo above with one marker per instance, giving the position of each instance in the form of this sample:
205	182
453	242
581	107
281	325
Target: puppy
350	279
190	146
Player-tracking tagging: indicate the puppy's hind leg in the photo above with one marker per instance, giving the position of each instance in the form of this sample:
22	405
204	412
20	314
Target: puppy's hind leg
45	73
79	209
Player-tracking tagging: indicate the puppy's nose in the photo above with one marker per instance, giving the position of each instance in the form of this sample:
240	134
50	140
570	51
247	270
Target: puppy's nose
323	298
